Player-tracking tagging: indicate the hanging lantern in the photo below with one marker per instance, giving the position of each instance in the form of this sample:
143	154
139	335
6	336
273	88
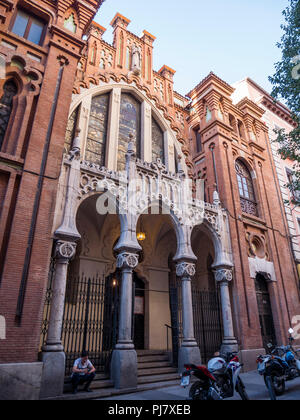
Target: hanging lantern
141	236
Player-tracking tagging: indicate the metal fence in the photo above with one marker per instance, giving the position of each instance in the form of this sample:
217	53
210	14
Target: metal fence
90	320
207	321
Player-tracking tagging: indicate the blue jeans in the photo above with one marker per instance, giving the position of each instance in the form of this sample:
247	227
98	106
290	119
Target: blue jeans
78	379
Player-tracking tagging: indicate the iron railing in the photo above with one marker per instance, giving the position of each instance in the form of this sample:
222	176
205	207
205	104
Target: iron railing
90	321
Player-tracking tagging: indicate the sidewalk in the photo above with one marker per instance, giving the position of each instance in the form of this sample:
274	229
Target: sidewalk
255	386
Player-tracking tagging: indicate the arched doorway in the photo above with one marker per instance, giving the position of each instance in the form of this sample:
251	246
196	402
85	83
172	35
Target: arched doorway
265	311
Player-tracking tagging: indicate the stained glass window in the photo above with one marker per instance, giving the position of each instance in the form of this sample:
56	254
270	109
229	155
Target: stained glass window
130	123
6	104
97	132
157	142
71	127
246	189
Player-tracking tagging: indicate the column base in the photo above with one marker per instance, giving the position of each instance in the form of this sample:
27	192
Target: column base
187	356
124	369
53	374
229	345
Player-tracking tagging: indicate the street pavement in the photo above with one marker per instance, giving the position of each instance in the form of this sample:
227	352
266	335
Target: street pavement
255	386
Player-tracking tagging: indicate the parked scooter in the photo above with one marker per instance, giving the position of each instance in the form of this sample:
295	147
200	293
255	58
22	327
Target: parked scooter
281	365
218	381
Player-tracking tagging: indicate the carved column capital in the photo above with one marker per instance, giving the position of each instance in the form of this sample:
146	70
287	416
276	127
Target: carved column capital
223	275
185	269
127	260
65	251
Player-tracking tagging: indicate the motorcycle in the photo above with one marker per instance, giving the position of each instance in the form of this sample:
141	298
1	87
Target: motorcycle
227	371
218	381
205	387
278	367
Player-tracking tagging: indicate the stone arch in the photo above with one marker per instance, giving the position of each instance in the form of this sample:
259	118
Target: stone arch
177	225
222	257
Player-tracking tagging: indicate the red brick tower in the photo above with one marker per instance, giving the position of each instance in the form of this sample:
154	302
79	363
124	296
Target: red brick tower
40	47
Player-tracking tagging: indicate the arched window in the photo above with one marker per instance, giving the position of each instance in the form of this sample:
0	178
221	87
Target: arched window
246	189
130	123
6	103
158	151
97	130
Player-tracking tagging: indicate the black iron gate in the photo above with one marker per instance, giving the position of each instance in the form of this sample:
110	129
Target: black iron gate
90	319
207	320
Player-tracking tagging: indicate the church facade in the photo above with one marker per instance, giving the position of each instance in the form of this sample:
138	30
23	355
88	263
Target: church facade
133	218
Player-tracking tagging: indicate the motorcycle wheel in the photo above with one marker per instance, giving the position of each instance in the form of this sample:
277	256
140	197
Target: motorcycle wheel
241	389
270	387
278	386
197	393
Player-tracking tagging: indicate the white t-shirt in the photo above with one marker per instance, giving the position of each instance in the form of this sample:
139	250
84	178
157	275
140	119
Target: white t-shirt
82	366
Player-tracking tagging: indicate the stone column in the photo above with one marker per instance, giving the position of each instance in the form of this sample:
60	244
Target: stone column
189	352
53	355
223	277
124	359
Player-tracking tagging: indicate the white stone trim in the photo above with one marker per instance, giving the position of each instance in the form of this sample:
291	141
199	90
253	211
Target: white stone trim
258	265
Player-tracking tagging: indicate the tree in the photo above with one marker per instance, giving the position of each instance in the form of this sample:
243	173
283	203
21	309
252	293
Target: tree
286	87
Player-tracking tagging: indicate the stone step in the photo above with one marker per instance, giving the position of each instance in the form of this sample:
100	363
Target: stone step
112	392
99	377
96	384
153	359
156	371
102	384
158	378
150	352
147	365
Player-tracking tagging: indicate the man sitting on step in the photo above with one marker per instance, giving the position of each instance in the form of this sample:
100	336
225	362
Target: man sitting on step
83	373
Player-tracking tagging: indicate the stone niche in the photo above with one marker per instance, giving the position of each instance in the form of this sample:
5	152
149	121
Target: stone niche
20	381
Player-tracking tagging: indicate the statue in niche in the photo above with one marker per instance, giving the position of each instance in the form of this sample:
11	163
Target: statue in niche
136	60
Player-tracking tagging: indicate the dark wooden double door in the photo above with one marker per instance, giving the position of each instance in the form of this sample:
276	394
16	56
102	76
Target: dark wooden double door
265	311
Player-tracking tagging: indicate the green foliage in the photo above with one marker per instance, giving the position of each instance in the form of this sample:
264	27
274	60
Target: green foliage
286	87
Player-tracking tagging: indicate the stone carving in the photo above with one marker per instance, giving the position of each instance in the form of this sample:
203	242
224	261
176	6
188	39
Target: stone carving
136	60
65	250
185	269
127	260
223	275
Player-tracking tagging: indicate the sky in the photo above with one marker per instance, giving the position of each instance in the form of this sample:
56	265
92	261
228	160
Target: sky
232	38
